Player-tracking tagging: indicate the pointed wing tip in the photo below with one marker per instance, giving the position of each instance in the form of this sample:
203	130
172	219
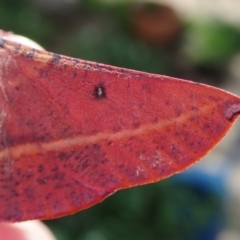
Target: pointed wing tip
232	111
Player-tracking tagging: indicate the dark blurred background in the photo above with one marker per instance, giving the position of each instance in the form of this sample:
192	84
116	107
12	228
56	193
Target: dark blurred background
185	39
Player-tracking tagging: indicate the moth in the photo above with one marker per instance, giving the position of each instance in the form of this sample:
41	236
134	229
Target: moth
73	132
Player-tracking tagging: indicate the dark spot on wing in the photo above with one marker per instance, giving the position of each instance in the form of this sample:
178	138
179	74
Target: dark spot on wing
31	54
17	48
2	42
75	61
99	91
56	58
99	67
18	87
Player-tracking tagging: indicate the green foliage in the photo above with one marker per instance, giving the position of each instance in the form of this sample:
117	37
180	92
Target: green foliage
21	17
117	49
211	42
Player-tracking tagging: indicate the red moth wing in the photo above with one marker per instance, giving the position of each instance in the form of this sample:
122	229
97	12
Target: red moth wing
73	131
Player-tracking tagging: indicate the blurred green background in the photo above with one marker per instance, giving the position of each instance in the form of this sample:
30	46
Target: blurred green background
150	37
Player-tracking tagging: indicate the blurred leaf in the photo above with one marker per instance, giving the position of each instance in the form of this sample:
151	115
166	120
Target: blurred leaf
211	42
21	17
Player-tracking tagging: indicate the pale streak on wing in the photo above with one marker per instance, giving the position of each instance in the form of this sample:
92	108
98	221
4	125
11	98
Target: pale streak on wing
30	149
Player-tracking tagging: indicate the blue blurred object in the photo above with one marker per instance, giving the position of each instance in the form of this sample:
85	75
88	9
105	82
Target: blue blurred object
206	203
